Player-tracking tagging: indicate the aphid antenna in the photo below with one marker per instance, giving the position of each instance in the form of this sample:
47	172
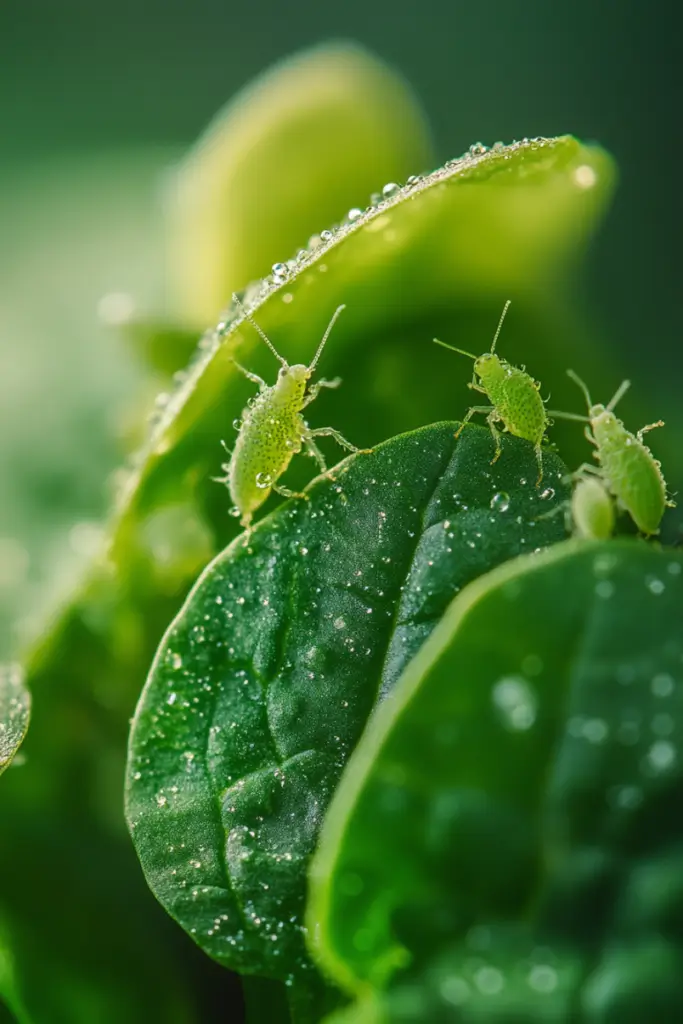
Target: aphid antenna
460	351
247	316
500	324
619	394
584	387
321	346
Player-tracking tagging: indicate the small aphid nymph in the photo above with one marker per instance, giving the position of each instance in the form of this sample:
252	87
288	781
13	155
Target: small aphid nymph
514	396
591	509
272	430
627	467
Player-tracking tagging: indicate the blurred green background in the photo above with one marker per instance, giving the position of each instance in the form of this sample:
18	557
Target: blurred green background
97	99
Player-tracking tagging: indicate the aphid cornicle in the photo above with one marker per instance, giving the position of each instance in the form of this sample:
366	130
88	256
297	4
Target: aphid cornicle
627	467
273	430
514	396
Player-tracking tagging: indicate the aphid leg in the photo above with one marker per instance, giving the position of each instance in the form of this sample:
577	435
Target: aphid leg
317	454
586	467
245	521
539	459
331	432
587	433
650	426
477	387
470	413
287	493
253	377
314	390
490	419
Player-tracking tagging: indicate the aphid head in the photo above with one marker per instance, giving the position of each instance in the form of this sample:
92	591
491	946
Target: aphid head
597	409
298	372
489	363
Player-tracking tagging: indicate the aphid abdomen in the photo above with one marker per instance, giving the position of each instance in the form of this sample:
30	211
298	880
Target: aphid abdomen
518	404
525	409
269	437
631	473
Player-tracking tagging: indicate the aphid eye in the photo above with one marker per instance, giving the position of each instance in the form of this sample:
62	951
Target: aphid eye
282	372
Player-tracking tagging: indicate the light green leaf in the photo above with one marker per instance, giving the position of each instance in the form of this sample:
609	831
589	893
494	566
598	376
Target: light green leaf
287	156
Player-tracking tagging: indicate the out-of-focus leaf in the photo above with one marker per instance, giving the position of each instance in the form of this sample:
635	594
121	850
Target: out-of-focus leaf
264	682
15	711
501	833
163	347
290	154
12	1009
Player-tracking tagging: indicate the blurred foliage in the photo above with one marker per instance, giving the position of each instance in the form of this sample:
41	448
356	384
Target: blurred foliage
438	255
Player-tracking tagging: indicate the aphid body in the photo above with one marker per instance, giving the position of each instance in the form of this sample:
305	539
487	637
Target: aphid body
514	396
591	509
627	467
272	431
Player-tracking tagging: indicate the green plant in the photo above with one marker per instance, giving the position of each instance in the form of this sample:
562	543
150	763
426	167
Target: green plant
420	617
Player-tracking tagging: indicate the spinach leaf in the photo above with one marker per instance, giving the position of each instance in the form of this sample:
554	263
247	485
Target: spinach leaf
15	710
505	837
263	683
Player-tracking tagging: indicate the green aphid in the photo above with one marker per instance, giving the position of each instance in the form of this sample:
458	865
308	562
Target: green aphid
591	509
627	467
272	430
514	396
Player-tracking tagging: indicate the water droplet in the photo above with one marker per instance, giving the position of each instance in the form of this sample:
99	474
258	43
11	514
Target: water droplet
454	990
161	800
390	189
500	502
326	236
515	700
263	480
584	176
662	685
172	698
548	493
626	798
280	270
477	149
595	730
661	756
237	424
234	511
176	661
354	213
339	623
542	978
489	980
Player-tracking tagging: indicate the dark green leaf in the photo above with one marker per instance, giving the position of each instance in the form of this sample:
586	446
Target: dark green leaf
517	794
15	710
263	684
